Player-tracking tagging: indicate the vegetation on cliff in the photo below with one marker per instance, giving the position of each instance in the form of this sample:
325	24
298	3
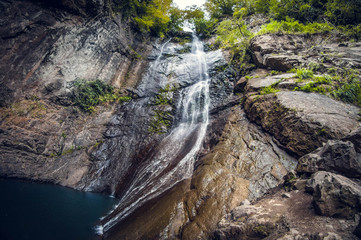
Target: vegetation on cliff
88	94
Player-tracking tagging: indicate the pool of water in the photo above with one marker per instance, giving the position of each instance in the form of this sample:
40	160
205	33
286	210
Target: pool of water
37	211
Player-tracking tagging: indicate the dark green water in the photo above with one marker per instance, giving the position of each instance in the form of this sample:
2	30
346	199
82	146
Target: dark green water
47	212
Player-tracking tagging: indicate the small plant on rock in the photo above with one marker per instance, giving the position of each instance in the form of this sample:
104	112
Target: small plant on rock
304	73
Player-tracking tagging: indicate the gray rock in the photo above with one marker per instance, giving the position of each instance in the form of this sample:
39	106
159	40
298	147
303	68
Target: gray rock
277	52
256	84
355	138
335	195
335	156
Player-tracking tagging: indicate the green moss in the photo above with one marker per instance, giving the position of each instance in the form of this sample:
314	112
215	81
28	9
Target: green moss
268	90
262	230
69	151
98	143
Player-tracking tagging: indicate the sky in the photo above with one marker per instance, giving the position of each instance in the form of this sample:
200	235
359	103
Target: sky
184	3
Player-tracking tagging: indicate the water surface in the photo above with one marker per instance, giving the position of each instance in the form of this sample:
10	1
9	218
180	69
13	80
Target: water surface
37	211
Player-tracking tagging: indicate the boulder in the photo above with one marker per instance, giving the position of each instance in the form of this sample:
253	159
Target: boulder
302	121
335	156
335	195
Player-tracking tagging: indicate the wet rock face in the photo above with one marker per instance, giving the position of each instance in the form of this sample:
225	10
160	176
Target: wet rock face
243	158
244	163
302	121
335	195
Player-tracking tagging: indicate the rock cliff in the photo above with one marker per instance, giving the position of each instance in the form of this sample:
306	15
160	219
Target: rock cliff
255	139
45	47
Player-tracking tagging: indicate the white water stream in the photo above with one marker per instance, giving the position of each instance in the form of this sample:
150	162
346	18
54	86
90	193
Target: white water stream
174	158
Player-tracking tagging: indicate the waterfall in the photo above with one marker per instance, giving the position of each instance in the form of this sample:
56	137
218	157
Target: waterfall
173	160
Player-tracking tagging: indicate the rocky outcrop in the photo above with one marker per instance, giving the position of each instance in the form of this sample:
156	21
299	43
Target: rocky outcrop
81	7
282	52
335	195
278	52
302	121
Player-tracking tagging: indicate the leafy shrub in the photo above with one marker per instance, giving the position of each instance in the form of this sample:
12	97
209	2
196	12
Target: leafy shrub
234	35
344	12
351	31
349	92
88	94
304	73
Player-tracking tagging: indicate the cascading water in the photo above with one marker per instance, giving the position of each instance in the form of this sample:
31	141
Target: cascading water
173	160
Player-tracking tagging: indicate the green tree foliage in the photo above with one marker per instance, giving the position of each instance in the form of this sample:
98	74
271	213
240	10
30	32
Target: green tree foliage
192	14
234	35
219	8
205	27
339	12
226	8
148	16
293	26
344	12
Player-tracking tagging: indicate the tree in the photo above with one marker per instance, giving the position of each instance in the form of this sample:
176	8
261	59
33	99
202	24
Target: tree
344	12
